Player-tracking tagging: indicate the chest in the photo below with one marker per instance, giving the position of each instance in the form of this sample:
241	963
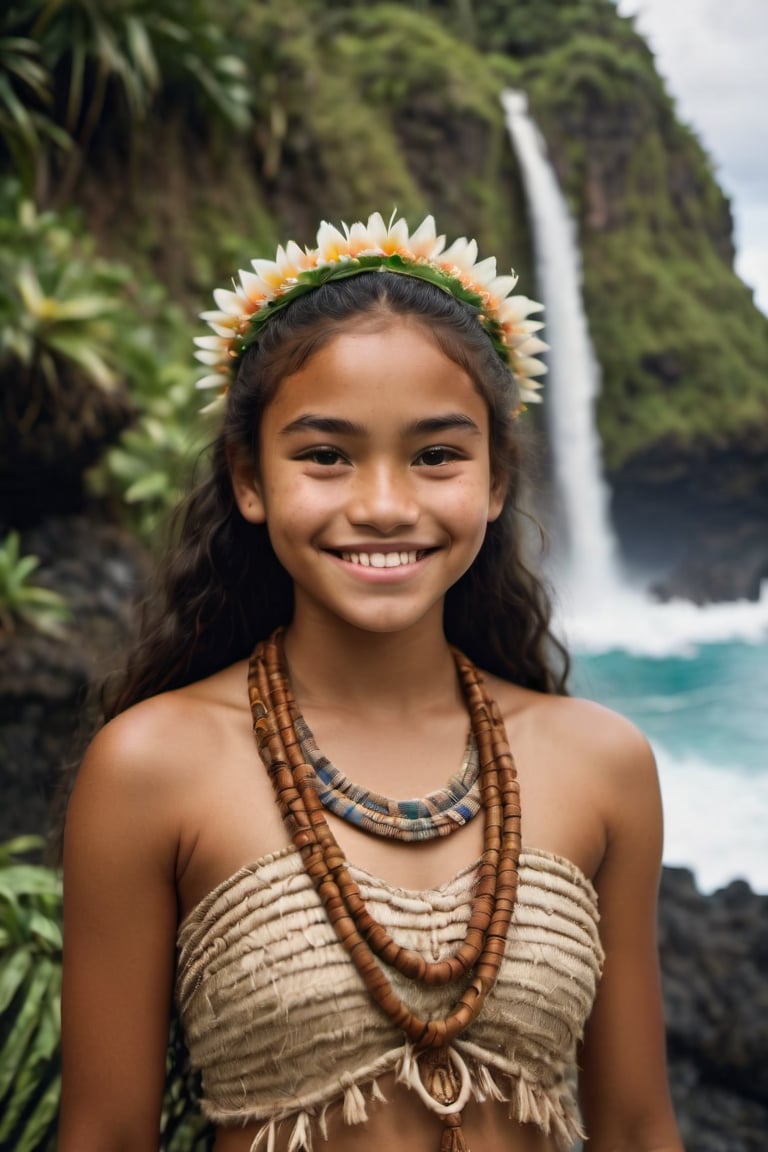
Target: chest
233	817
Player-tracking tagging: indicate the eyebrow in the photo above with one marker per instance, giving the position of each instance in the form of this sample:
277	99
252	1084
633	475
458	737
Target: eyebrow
333	426
446	423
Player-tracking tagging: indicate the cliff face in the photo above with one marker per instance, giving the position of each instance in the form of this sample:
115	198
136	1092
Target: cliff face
371	107
683	414
359	107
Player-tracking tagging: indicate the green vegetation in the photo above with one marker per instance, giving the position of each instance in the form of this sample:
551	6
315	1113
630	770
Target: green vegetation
30	1029
195	138
684	353
147	150
659	389
151	466
58	301
73	69
84	347
20	599
30	989
26	124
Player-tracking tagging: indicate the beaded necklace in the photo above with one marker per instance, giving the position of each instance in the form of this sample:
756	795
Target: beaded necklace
442	1081
437	814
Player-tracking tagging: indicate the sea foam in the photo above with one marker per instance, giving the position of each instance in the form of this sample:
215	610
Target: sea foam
715	821
630	621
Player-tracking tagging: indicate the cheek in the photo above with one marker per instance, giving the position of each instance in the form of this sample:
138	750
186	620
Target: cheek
294	509
473	502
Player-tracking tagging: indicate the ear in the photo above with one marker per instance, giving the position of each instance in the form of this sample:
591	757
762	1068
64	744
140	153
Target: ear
246	487
498	495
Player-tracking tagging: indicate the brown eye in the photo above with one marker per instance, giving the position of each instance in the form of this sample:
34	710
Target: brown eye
433	457
326	457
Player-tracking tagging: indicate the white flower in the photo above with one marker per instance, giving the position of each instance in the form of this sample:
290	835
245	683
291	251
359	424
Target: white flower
221	323
506	317
529	392
231	303
528	366
377	231
359	241
214	380
501	287
484	272
332	245
213	349
531	346
461	254
425	244
397	237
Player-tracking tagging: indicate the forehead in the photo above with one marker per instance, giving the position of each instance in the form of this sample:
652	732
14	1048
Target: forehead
379	372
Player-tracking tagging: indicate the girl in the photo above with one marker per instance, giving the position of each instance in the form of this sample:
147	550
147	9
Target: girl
352	965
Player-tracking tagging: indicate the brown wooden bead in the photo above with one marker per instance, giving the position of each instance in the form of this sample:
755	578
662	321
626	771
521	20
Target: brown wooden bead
274	715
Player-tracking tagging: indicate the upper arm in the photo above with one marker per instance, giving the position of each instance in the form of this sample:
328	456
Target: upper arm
623	1082
119	930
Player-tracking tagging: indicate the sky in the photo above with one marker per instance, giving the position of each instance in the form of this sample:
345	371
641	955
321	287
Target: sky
714	59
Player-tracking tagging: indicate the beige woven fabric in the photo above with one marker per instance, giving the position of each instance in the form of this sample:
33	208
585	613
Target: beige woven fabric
280	1024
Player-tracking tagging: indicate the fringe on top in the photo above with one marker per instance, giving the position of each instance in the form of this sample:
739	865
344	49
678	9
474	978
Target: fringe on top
281	1027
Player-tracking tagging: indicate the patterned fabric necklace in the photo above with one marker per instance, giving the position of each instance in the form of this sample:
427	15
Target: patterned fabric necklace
437	814
441	1077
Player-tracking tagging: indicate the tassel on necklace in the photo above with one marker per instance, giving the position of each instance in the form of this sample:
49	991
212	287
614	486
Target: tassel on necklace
453	1135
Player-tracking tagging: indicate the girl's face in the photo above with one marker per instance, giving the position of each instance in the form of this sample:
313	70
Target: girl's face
375	479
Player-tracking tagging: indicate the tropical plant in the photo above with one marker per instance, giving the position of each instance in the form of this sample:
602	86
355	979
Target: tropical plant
96	51
112	61
146	472
85	349
150	464
30	991
58	301
64	330
199	61
26	119
21	600
30	1016
182	1125
63	316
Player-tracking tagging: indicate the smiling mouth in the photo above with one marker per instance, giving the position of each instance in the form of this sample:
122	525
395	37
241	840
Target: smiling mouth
383	559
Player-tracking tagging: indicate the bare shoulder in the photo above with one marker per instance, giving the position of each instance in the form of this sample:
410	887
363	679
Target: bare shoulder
588	775
589	732
164	735
144	762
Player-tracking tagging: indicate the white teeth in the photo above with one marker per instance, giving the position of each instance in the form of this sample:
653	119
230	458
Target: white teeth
380	559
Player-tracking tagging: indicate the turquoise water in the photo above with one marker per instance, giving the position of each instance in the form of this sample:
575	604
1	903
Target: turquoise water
713	705
706	715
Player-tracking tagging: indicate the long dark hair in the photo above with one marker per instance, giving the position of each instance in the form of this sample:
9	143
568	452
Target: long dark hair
221	588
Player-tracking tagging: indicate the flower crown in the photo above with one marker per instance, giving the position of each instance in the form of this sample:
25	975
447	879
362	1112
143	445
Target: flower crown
361	248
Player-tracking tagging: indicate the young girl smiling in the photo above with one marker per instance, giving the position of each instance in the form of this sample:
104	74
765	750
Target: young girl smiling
276	828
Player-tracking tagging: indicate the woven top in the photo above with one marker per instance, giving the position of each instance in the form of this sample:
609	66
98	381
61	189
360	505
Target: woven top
278	1020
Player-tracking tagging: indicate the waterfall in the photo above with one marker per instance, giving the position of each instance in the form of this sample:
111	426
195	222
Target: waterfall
590	566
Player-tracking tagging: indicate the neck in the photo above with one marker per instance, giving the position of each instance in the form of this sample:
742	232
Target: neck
391	671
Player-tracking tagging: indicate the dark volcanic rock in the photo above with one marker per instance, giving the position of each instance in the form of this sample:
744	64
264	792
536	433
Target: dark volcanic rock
44	680
699	520
722	566
714	958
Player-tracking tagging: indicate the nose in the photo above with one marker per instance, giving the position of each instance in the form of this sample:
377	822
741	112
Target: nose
383	498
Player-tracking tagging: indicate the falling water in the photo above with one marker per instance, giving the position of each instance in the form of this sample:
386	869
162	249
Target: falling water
688	675
591	568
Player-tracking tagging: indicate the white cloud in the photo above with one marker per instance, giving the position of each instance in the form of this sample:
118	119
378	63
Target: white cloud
714	58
